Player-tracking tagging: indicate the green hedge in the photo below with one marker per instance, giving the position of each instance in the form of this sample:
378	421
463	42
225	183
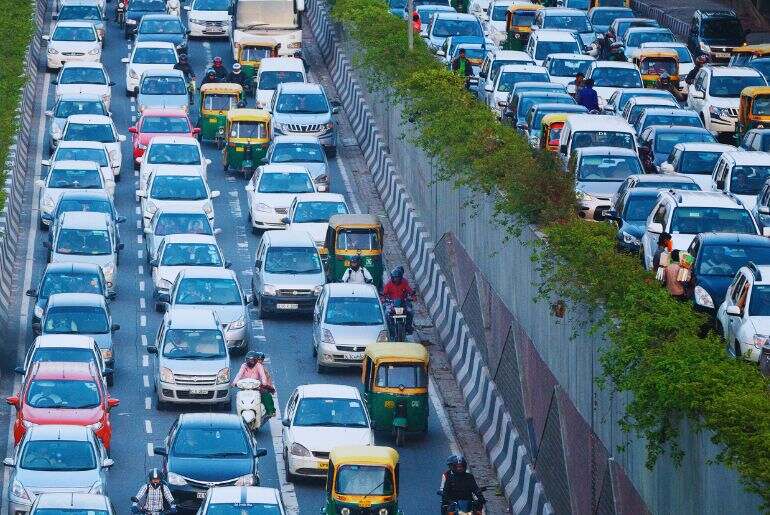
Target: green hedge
656	352
16	28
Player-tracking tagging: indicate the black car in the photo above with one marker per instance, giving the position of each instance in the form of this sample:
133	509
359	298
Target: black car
205	449
718	256
630	212
66	278
138	8
756	139
715	34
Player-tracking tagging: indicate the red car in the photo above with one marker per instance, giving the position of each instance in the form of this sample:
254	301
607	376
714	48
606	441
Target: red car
155	122
63	393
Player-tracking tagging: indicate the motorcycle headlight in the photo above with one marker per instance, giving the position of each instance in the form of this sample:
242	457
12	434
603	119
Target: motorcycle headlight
38	312
383	336
345	511
96	488
299	450
133	74
166	376
630	239
317	290
268	289
52	51
246	480
106	354
238	324
261	206
95	51
223	376
176	479
327	337
207	208
702	297
18	490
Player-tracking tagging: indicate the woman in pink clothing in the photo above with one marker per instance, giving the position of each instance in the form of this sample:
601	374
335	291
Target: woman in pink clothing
254	368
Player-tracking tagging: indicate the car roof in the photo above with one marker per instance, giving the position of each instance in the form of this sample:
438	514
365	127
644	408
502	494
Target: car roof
171	170
512	55
289	238
704	147
301	87
571	57
678	111
715	238
351	290
80	97
243	495
715	199
733	71
636	30
72	23
66	341
85	220
83	64
598	122
329	391
210	420
206	272
320	197
190	238
73	370
606	151
64	267
520	68
59	431
160	16
283	168
191	319
165	112
81	501
70	164
162	72
762	270
643	192
296	138
613	64
742	158
554	35
651	100
153	44
562	11
76	299
654	178
81	144
281	63
90	119
177	140
86	195
448	15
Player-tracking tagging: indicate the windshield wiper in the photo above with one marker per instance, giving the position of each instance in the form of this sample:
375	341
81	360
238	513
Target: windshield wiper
224	454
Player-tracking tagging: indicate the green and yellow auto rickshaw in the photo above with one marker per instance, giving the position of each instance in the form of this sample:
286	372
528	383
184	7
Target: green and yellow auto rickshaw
753	110
395	378
216	101
654	62
247	136
518	24
350	235
362	479
249	50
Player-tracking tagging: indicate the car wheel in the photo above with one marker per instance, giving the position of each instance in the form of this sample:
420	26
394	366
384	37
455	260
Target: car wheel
319	367
161	405
290	478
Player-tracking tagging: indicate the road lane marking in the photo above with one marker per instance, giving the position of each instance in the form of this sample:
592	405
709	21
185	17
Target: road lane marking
146	381
141	285
138	224
139	253
150	449
143	321
138	210
145	360
276	436
141	270
144	340
147	403
142	305
139	238
347	183
148	427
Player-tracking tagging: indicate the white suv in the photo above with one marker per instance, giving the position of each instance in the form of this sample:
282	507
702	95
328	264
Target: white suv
741	173
744	316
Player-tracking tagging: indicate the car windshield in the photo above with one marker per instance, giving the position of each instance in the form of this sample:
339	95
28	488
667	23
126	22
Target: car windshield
701	163
406	375
208	292
181	223
219	101
83	205
76	320
330	413
317	211
626	25
63	355
602	139
607	16
731	86
607	168
509	79
164	86
255	53
694	220
302	103
575	23
80	12
160	27
83	242
523	18
101	132
65	178
210	442
62	394
178	187
499	12
147	5
165	124
276	182
191	254
71	282
73	75
97	155
567	67
211	5
748	180
358	239
353	311
725	260
684	119
270	79
545	48
638	208
292	260
173	153
194	344
256	130
65	108
611	77
722	29
154	56
665	142
762	65
363	480
527	102
58	456
74	34
761	105
443	28
759	305
637	110
635	39
297	153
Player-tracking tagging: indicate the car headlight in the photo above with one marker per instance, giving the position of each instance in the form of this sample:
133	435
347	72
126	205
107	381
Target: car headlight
27	424
261	206
299	450
317	290
109	271
296	44
130	22
195	21
223	376
238	324
268	289
630	238
704	47
583	196
383	511
18	490
95	51
114	154
96	488
702	297
718	112
95	427
133	74
383	336
246	480
329	126
207	208
166	376
106	354
327	337
176	479
106	98
759	340
38	312
52	51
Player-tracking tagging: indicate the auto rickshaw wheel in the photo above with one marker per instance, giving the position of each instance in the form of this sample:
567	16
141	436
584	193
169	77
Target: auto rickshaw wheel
220	142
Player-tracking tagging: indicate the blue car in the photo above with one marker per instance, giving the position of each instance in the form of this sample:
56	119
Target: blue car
137	9
657	141
630	212
165	28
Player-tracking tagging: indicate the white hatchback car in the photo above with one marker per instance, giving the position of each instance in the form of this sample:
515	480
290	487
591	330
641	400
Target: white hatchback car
172	150
318	418
84	78
67	176
209	18
72	41
271	191
85	151
310	212
148	55
168	189
743	319
179	251
91	127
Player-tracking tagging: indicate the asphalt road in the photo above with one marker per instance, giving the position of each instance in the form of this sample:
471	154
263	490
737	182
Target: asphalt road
137	424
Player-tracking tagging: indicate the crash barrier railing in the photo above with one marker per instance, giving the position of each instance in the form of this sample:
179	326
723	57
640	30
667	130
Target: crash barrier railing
679	27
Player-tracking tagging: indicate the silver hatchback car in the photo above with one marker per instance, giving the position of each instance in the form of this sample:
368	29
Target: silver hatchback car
162	89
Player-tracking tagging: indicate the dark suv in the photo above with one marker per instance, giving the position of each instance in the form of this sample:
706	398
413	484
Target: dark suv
715	33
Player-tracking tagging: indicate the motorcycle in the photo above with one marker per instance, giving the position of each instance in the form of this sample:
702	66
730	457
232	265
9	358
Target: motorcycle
397	315
136	509
120	14
248	404
463	507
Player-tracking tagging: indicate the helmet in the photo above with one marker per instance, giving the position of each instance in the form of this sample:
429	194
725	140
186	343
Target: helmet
456	459
665	76
237	67
182	58
210	71
154	474
260	355
252	354
397	273
701	60
217	61
355	259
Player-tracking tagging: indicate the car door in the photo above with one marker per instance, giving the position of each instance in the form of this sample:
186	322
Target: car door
738	298
156	356
291	407
762	211
318	313
650	239
718	176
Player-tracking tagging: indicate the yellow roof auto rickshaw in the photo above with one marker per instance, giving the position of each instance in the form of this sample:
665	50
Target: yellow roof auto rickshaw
362	478
216	100
518	24
552	124
743	55
754	109
395	378
247	136
350	235
653	62
249	50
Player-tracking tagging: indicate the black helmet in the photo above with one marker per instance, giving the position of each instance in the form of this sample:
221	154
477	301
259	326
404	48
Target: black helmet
154	474
259	355
355	259
211	71
182	58
252	354
397	273
456	459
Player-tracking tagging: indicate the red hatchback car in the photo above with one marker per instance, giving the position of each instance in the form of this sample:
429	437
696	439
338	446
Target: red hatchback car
63	393
159	122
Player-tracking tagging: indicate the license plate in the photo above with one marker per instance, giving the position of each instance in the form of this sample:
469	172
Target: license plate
213	120
721	55
199	392
200	495
354	355
287	306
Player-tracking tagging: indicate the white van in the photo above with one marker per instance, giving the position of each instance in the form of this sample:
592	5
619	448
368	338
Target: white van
274	71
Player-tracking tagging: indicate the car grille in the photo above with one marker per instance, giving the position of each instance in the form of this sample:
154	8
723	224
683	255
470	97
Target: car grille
733	112
282	210
295	293
215	24
351	348
206	485
321	455
73	53
313	127
188	380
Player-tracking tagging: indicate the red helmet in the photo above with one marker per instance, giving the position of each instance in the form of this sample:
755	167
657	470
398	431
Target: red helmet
217	61
702	59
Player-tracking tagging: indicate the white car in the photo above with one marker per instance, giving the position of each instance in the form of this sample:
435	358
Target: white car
67	176
318	418
562	68
91	127
72	41
545	42
180	251
715	94
172	150
68	105
85	79
493	61
636	36
209	18
507	77
271	191
274	71
611	76
92	151
695	160
743	319
447	24
179	220
147	55
66	348
494	20
743	174
168	189
310	212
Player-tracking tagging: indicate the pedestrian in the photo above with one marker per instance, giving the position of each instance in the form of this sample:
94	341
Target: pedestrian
463	67
675	287
665	244
700	62
577	83
588	97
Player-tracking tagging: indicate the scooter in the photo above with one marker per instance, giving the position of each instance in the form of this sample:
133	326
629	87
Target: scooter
465	508
136	509
248	402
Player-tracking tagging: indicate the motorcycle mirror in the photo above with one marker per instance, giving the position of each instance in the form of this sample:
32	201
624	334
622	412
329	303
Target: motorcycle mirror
134	499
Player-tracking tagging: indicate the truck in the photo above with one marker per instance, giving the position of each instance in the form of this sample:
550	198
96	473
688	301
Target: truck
276	20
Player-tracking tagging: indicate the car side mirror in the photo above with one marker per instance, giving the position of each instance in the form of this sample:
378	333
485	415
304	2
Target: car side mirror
217	231
286	422
260	453
141	193
112	403
733	311
264	160
164	297
655	227
45	37
32	292
111	83
13	400
161	451
47	245
249	187
667	167
19	370
9	462
285	220
134	499
152	349
107	371
120	219
228	264
125	60
139	160
107	463
121	246
49	114
248	298
214	194
115	327
335	110
489	88
208	161
196	131
121	137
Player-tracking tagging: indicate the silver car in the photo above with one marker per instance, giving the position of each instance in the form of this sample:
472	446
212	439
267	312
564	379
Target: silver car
300	108
176	220
54	458
229	499
90	11
162	88
67	176
67	105
192	364
179	251
302	150
65	503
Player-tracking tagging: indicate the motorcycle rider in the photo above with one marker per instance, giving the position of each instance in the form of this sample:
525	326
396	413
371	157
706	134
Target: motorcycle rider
236	77
219	70
120	8
155	495
356	274
211	77
700	62
254	368
398	289
173	7
457	484
664	82
189	75
617	52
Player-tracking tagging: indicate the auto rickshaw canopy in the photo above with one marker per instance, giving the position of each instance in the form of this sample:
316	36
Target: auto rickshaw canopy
364	455
221	88
354	221
747	111
510	17
247	115
741	55
397	352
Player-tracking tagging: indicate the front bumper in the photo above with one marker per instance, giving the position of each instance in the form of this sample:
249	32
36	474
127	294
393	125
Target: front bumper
332	356
308	466
201	30
267	220
131	83
722	124
187	394
593	209
288	303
